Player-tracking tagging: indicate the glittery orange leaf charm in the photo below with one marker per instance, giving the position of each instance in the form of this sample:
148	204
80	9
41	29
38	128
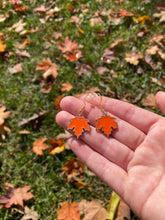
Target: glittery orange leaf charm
106	124
79	125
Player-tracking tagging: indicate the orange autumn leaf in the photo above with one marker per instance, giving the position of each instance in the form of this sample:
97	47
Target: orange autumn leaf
106	124
15	196
125	13
79	125
2	47
39	146
73	56
68	211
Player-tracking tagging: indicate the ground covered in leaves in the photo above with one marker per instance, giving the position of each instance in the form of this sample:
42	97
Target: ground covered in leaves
50	49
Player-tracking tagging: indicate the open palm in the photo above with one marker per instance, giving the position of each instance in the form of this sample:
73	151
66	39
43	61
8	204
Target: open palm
132	160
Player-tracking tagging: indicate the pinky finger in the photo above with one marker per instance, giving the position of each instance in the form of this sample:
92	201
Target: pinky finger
109	172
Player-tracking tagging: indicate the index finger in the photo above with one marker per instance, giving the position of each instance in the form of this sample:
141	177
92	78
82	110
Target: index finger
136	116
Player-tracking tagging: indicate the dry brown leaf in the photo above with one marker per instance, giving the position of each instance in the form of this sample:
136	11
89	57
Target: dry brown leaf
57	146
3	130
68	211
39	146
160	15
133	58
15	196
152	50
123	211
73	168
48	68
30	214
16	69
23	53
108	56
33	118
93	210
118	41
149	101
84	69
3	115
66	87
67	45
19	26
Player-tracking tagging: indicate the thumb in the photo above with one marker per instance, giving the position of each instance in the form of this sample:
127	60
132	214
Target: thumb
160	101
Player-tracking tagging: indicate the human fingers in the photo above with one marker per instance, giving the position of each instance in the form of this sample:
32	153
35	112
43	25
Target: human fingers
138	117
110	148
114	176
125	134
160	101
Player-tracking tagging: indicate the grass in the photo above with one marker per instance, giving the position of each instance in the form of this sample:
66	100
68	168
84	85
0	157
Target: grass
21	93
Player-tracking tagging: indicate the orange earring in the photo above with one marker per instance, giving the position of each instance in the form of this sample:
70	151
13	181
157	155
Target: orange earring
106	123
79	124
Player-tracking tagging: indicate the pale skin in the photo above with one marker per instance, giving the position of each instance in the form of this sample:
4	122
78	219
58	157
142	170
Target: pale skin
132	160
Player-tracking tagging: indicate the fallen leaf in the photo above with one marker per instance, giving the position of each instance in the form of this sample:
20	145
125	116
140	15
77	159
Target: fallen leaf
15	196
125	13
16	69
73	56
39	146
48	68
78	125
152	50
23	53
123	211
118	41
3	130
142	19
113	205
96	21
57	102
19	26
106	124
84	69
133	58
92	210
57	35
149	101
34	118
102	69
108	56
2	47
160	15
73	168
67	45
66	87
68	211
3	115
30	214
56	146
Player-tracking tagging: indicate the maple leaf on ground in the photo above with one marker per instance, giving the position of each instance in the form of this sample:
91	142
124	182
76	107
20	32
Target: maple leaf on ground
68	211
108	56
48	68
73	56
78	125
149	101
39	146
15	196
67	45
93	210
3	115
125	13
30	214
106	124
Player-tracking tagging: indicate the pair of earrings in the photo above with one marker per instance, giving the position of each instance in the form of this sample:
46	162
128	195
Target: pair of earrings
105	124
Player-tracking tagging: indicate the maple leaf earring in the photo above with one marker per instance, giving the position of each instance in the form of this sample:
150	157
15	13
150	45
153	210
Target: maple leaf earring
106	123
79	124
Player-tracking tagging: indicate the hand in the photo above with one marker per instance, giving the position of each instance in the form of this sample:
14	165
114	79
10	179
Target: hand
132	160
